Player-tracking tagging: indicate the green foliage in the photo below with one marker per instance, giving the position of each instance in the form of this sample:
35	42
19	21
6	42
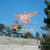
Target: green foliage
16	22
2	27
29	35
47	12
46	38
47	2
42	27
46	42
37	35
21	35
8	32
15	33
19	27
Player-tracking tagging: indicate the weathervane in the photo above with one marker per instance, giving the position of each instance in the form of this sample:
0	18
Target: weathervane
24	18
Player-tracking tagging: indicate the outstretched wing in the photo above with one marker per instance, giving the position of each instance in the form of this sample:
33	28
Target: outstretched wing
31	14
17	15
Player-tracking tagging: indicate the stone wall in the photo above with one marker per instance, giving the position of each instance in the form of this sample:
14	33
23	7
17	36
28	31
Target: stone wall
10	43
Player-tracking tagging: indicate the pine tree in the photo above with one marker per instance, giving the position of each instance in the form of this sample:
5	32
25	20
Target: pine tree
8	32
29	35
46	38
2	27
37	35
47	12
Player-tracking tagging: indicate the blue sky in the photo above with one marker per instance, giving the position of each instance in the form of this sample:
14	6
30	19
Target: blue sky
10	7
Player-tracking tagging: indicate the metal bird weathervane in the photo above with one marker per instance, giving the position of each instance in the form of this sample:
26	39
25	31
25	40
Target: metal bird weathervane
24	18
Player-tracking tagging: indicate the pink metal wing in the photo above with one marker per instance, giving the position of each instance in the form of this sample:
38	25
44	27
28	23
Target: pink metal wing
17	15
31	14
14	25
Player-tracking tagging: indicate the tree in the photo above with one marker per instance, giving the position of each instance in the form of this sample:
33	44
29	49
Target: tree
47	12
8	32
46	42
2	27
37	35
15	31
29	35
21	35
46	38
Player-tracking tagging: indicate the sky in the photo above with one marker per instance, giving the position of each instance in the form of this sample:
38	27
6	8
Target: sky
10	7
